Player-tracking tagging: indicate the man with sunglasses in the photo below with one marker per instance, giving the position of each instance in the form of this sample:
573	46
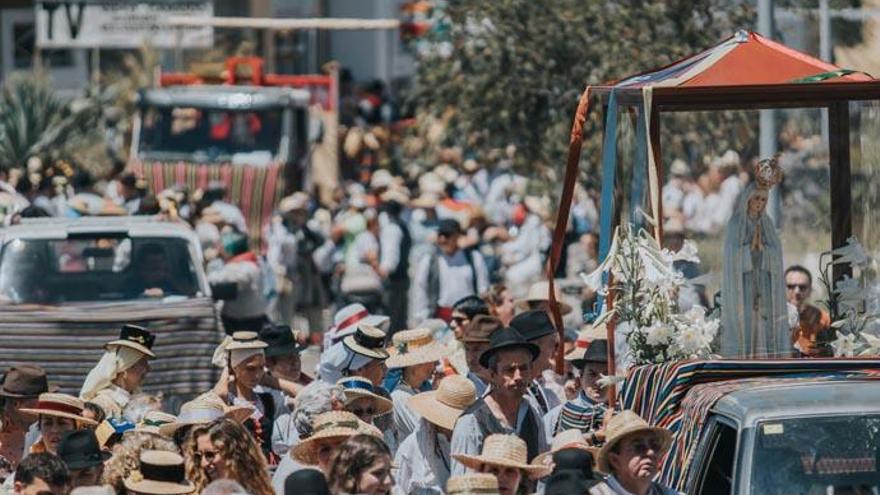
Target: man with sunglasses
807	337
448	275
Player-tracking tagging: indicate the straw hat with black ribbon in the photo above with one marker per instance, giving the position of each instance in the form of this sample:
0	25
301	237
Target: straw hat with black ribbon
333	427
624	425
504	451
443	407
414	347
368	341
539	292
356	387
473	484
238	348
160	473
133	345
60	406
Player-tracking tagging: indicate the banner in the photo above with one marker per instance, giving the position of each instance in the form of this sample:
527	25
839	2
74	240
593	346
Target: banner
120	24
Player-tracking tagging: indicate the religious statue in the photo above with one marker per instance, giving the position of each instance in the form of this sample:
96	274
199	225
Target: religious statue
754	314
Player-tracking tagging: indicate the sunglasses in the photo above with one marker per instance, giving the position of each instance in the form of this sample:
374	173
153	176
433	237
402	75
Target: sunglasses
802	287
208	455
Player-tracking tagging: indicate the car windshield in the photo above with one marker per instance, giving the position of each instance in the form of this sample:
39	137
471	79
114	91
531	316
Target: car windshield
836	454
42	271
210	135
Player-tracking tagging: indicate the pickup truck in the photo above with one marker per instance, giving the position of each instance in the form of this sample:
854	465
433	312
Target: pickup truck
68	285
765	427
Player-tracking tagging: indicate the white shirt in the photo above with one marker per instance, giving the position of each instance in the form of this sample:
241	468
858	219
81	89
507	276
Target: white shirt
405	419
415	473
285	468
550	421
284	434
456	281
390	237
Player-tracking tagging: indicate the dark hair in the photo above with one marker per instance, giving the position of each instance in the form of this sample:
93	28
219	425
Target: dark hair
95	409
32	211
354	456
799	269
492	360
149	206
471	306
47	467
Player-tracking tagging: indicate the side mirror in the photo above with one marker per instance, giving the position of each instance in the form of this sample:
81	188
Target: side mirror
224	291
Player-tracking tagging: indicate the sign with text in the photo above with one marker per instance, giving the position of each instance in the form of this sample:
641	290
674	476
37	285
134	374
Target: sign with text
120	24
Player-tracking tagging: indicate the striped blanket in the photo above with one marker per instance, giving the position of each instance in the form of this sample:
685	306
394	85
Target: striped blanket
67	341
679	395
256	190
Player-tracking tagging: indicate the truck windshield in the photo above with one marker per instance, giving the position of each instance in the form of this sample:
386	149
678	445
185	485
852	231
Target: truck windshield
202	134
41	271
817	456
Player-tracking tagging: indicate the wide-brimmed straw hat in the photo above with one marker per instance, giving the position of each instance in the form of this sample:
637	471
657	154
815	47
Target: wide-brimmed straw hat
153	420
396	194
329	426
502	450
134	337
540	292
297	201
443	406
425	200
414	347
568	439
368	341
25	381
60	406
246	340
626	424
160	473
356	387
473	484
203	411
347	319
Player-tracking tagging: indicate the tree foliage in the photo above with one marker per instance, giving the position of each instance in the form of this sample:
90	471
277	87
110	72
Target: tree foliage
511	71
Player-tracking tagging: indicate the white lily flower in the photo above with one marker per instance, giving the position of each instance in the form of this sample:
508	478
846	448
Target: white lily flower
850	292
593	280
606	381
844	346
659	333
688	252
853	252
873	345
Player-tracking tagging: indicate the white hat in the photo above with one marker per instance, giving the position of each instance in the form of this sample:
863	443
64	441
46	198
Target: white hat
346	320
296	201
338	359
679	167
431	183
381	178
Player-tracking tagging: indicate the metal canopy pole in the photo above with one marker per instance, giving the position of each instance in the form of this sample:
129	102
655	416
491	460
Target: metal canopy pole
841	180
767	142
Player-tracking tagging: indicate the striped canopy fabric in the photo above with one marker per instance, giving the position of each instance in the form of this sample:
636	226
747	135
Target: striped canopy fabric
679	395
254	189
744	59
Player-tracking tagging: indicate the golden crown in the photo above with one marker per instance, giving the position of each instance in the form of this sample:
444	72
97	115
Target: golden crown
768	173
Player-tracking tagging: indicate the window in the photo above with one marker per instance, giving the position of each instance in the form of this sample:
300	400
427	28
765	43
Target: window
715	472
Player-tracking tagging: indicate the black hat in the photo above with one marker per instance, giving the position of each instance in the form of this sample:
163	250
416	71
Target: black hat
507	338
280	340
574	459
25	381
448	226
566	482
135	337
79	450
533	324
306	481
597	352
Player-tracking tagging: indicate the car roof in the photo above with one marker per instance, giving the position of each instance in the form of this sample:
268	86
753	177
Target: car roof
225	97
783	398
133	226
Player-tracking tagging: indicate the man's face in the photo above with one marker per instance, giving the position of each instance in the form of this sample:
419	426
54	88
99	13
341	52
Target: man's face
287	367
448	243
21	419
548	344
39	487
513	371
458	323
590	375
797	288
90	476
472	353
637	457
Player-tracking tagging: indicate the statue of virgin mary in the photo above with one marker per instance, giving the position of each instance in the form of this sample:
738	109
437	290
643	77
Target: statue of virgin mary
754	315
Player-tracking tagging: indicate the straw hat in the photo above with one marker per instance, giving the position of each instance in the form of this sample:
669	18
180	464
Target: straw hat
202	411
540	292
505	451
246	340
568	439
346	320
153	420
623	425
443	406
368	341
330	426
160	473
61	406
431	183
538	206
356	387
297	201
472	484
134	337
425	200
396	194
414	347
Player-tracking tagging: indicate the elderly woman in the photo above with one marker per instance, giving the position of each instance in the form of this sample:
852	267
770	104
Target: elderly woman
316	398
58	414
631	456
120	372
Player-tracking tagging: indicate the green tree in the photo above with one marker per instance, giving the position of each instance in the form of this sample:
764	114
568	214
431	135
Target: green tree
511	71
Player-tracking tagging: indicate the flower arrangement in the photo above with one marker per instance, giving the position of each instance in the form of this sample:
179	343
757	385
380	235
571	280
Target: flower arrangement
854	320
644	283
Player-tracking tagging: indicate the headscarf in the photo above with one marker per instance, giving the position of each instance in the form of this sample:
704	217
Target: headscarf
337	361
223	356
735	341
116	360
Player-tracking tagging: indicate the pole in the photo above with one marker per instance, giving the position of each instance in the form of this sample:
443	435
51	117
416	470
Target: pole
767	139
825	44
